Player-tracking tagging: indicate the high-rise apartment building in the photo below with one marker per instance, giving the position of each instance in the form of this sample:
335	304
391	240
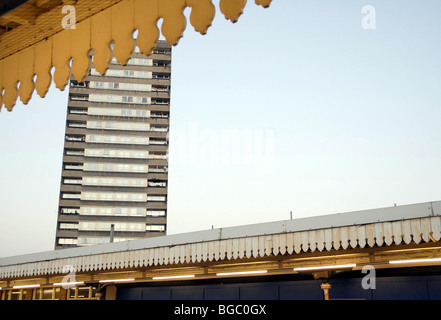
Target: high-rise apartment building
114	174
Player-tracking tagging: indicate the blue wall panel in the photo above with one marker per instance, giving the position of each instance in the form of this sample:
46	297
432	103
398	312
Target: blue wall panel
300	290
349	289
386	288
402	288
260	291
156	293
222	292
187	293
434	289
129	294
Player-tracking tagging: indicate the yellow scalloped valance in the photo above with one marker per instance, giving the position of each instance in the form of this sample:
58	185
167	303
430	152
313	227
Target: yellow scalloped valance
28	52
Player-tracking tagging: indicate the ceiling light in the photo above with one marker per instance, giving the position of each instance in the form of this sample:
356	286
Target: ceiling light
415	261
27	286
173	277
240	273
117	280
341	266
68	283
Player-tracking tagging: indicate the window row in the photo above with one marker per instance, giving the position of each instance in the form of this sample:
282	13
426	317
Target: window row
95	97
118	112
120	86
116	153
158	128
107	225
92	138
117	211
83	241
68	225
158	141
116	167
124	73
67	241
113	196
113	211
114	125
135	61
114	182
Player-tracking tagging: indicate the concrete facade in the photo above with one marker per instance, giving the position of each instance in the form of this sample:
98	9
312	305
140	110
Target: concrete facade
115	158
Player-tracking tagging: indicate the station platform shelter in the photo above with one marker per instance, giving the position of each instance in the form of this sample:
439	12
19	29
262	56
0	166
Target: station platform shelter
379	254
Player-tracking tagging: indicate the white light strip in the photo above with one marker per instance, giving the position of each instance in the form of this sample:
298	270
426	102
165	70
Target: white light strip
415	261
117	280
28	286
341	266
68	283
174	277
240	273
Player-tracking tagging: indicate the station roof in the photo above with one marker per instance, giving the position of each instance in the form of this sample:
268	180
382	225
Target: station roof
415	223
37	35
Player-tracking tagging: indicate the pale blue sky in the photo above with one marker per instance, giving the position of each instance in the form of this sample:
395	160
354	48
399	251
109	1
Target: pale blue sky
331	118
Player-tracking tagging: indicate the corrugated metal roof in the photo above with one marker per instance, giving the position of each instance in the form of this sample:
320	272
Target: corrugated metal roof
356	218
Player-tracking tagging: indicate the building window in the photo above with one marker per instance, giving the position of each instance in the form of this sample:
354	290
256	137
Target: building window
106	226
74	124
72	181
158	156
119	167
155	213
110	211
109	125
70	226
71	195
158	141
117	139
115	182
157	184
157	169
129	73
113	196
74	152
158	114
155	227
158	128
73	110
73	166
72	138
67	241
156	198
118	112
69	210
127	99
79	97
97	240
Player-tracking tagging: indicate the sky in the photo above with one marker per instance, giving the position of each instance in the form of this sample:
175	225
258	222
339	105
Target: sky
305	108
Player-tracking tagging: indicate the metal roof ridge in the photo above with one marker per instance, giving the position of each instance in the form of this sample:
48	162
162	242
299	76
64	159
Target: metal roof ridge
386	214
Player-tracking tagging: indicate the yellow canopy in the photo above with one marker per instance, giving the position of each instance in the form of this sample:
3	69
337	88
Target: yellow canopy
37	35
